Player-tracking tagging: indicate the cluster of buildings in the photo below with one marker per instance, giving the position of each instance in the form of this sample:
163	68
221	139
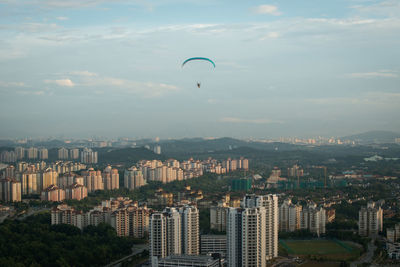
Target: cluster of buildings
54	184
19	153
171	170
57	181
86	155
123	214
316	141
294	217
59	166
251	234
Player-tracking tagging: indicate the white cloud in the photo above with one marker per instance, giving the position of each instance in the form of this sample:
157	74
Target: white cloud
249	121
389	8
83	73
267	9
124	86
70	3
212	101
376	99
375	74
61	82
38	93
12	84
62	18
270	35
77	4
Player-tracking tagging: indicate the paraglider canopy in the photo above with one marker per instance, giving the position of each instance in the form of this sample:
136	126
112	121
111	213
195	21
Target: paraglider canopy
198	58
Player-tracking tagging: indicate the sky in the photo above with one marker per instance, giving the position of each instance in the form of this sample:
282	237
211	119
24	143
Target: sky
84	68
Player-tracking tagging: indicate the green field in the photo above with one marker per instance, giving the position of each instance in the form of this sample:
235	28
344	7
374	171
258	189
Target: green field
321	248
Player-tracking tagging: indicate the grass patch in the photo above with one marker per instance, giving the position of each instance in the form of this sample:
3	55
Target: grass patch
320	249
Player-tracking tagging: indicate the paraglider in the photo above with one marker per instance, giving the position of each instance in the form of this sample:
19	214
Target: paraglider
201	59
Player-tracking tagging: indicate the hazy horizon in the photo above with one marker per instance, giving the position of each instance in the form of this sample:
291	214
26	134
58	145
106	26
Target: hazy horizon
99	68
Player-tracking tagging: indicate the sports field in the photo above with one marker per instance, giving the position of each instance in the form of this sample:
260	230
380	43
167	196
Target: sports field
328	249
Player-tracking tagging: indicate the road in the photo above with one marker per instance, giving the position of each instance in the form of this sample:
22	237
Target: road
32	211
137	249
367	256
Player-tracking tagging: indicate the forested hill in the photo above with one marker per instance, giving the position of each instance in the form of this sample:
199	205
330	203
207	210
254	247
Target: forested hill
34	242
372	137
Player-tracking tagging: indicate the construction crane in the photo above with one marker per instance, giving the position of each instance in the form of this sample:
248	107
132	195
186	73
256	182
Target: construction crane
325	172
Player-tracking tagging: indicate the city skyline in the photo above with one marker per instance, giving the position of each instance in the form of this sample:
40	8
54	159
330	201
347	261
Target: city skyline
99	68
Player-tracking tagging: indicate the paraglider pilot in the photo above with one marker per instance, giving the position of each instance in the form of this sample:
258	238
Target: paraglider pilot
198	84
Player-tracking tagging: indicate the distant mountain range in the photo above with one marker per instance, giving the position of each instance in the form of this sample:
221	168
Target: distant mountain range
373	137
124	155
199	145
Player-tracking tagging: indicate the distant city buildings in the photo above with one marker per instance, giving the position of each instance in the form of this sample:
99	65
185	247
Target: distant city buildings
68	179
88	156
370	220
93	180
172	170
62	153
274	178
19	153
53	193
133	178
47	178
40	179
76	191
10	190
65	154
8	156
295	171
32	153
110	178
43	154
157	149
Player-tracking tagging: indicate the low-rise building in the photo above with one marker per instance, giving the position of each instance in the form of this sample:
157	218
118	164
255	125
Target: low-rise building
393	234
186	261
213	244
